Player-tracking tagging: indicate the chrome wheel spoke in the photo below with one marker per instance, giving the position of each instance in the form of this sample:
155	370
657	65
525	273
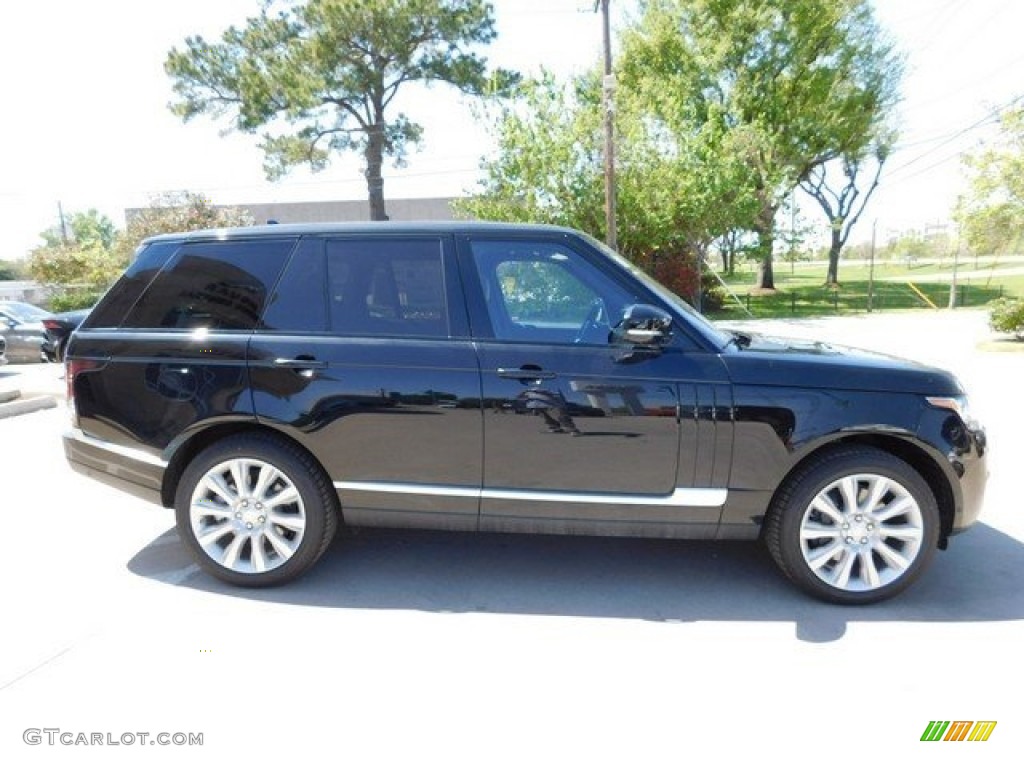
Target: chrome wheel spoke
843	570
904	532
868	571
286	496
215	484
213	533
810	530
848	488
822	503
900	506
878	488
821	559
291	522
229	558
238	472
280	545
895	559
264	480
259	562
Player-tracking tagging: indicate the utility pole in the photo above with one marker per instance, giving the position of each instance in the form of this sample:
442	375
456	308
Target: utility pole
952	283
608	103
63	222
871	267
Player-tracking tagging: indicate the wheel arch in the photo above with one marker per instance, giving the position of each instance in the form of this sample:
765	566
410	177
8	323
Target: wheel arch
916	456
204	438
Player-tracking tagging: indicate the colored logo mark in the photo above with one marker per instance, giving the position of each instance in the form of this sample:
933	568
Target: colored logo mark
958	730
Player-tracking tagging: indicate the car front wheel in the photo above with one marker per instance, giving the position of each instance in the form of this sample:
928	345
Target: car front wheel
854	526
255	510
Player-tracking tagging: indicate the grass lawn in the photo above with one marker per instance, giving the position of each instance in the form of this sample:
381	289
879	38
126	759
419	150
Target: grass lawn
801	291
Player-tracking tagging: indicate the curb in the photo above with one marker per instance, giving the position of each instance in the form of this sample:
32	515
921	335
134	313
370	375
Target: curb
10	394
27	405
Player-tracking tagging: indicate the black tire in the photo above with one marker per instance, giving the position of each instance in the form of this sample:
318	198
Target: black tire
270	533
868	550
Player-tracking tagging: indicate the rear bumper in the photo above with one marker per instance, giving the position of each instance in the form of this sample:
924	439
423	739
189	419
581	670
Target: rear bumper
135	472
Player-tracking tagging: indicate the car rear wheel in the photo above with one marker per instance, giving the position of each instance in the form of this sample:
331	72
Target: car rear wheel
854	526
255	510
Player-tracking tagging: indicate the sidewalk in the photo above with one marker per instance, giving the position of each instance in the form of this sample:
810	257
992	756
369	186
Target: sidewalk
30	387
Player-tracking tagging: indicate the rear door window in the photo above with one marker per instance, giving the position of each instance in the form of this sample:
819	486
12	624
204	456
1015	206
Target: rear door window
387	287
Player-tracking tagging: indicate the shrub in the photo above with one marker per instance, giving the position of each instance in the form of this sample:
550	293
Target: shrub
74	299
1007	316
680	276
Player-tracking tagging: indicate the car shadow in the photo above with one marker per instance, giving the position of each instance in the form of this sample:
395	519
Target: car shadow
977	579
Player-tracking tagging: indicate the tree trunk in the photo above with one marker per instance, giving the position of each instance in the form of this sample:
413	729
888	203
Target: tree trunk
374	163
765	267
764	228
833	257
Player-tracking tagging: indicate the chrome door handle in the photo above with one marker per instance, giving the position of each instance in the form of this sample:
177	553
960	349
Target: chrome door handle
525	373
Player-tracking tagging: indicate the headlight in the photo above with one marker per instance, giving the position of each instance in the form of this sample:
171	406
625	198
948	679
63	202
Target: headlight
959	406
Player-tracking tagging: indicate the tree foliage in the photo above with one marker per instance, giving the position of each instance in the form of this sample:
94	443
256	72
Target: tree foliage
82	266
85	228
321	76
174	212
12	270
675	194
794	83
76	260
991	212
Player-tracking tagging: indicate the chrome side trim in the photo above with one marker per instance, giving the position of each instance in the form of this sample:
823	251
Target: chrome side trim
681	497
461	491
129	453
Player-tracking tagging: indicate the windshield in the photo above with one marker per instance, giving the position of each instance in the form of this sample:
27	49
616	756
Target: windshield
703	324
23	313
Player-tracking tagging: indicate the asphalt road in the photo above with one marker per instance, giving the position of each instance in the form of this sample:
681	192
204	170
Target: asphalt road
418	648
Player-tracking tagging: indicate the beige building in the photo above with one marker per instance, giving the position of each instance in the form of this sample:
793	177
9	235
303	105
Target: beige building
413	209
416	209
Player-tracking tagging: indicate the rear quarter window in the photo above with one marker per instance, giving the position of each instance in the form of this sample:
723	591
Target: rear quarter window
124	294
220	285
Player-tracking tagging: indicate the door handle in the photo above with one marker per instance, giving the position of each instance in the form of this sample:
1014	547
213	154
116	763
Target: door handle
304	365
525	373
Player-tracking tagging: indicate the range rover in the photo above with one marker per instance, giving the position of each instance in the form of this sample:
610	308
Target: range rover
275	384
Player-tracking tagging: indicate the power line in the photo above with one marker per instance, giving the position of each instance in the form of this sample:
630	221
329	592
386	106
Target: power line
991	117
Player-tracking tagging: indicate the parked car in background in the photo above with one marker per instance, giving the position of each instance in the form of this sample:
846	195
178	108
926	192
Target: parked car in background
3	348
275	383
21	325
59	328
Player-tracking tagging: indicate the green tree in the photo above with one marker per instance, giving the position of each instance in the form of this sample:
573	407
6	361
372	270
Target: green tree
676	193
84	228
12	270
174	212
798	83
330	70
991	212
76	260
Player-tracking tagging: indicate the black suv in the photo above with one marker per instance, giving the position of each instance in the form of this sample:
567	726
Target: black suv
273	383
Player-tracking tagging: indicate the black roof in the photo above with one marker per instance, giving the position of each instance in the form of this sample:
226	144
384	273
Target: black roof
361	227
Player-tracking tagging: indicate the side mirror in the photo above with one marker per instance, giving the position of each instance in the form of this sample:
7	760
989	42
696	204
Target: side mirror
643	326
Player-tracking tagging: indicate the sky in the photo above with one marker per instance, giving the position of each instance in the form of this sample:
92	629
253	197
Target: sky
85	123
